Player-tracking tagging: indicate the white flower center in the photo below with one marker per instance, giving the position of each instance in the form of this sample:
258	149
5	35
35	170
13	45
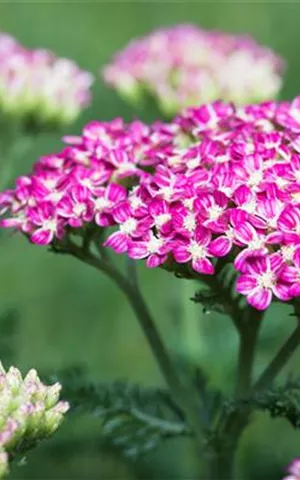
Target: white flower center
82	157
222	158
249	207
288	252
197	251
296	197
188	202
50	225
167	192
154	244
227	190
214	212
255	178
295	113
129	226
256	244
230	234
55	197
266	280
50	183
249	148
135	202
189	222
125	167
86	182
101	203
79	209
31	202
174	160
281	182
161	219
193	163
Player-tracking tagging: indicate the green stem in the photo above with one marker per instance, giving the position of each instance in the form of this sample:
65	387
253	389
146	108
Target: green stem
231	427
279	361
139	306
248	339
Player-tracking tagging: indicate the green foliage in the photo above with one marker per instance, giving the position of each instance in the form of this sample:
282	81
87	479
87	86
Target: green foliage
211	400
280	402
219	294
134	419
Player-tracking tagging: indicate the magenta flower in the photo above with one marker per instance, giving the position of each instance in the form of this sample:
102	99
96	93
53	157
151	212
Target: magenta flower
77	206
195	251
263	279
185	65
129	227
48	224
106	199
154	248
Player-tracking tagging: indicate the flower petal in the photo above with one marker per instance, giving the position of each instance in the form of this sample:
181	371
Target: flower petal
220	247
260	298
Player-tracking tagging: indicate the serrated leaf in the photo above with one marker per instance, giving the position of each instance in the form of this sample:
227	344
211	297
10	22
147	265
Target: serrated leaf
279	402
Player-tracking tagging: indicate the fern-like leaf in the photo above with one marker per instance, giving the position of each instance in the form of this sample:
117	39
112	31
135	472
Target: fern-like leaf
135	419
280	402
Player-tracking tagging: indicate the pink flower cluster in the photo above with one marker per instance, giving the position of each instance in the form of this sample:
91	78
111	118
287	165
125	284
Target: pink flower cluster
217	182
293	470
185	65
37	84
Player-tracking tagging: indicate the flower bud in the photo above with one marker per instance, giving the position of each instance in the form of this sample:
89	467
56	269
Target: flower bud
29	412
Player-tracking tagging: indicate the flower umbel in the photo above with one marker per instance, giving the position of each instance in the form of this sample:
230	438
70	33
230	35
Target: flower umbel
185	65
218	182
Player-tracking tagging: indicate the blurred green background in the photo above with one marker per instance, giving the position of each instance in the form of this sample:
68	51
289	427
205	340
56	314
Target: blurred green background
69	314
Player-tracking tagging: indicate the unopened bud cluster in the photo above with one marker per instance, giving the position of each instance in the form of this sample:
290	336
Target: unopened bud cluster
37	85
29	412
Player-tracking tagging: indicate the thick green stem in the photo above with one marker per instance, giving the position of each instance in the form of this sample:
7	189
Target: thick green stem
139	306
279	361
221	465
248	340
230	430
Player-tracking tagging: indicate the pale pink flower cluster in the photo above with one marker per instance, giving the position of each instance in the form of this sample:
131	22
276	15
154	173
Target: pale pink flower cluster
293	470
29	412
217	182
185	65
39	85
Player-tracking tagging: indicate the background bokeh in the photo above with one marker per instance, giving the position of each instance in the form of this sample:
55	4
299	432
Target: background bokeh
69	314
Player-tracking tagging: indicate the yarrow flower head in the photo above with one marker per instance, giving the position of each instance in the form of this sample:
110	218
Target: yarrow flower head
218	182
40	87
185	65
29	412
293	470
